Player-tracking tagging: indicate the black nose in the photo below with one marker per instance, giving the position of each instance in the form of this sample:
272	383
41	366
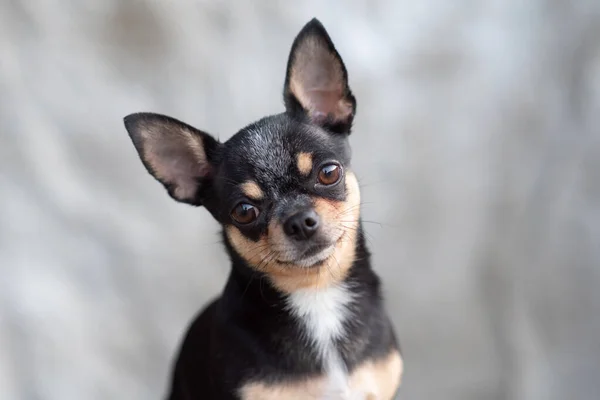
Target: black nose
302	225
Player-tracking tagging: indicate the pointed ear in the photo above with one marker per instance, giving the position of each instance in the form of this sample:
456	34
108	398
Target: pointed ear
316	83
179	156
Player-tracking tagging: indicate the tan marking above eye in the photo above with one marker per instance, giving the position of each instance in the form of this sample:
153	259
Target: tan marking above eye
343	215
252	190
304	162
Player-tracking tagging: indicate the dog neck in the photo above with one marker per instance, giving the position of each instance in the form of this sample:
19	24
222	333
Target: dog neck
328	327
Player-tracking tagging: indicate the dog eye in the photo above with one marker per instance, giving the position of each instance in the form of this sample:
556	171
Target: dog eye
329	174
244	213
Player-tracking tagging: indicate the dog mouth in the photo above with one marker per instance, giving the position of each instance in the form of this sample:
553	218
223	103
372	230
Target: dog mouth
316	250
313	256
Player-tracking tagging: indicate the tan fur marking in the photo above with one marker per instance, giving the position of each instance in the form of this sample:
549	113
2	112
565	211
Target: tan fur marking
307	389
375	379
378	379
262	254
304	162
252	190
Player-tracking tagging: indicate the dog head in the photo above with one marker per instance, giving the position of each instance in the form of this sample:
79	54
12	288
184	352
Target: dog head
281	187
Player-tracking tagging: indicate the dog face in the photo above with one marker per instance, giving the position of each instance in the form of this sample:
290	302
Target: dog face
281	187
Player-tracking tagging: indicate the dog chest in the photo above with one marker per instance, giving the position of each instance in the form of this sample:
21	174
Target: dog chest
322	314
373	380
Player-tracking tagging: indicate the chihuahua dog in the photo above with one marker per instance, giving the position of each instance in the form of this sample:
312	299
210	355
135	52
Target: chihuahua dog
301	315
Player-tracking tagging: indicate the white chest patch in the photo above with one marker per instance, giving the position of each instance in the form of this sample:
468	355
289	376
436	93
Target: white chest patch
323	312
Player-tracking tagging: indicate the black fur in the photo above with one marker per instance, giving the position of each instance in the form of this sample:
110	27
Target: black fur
247	332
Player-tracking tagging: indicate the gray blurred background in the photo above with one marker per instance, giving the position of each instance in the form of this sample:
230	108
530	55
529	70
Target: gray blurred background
477	144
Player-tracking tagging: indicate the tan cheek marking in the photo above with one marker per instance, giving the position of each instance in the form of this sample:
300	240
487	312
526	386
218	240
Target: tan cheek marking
288	278
261	256
304	162
344	214
378	379
255	253
252	190
311	388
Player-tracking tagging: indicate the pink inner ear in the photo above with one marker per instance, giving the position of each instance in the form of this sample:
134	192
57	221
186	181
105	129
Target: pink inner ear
178	160
328	103
318	83
184	171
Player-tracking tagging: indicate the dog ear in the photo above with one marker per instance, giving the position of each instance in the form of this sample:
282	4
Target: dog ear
179	156
316	83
